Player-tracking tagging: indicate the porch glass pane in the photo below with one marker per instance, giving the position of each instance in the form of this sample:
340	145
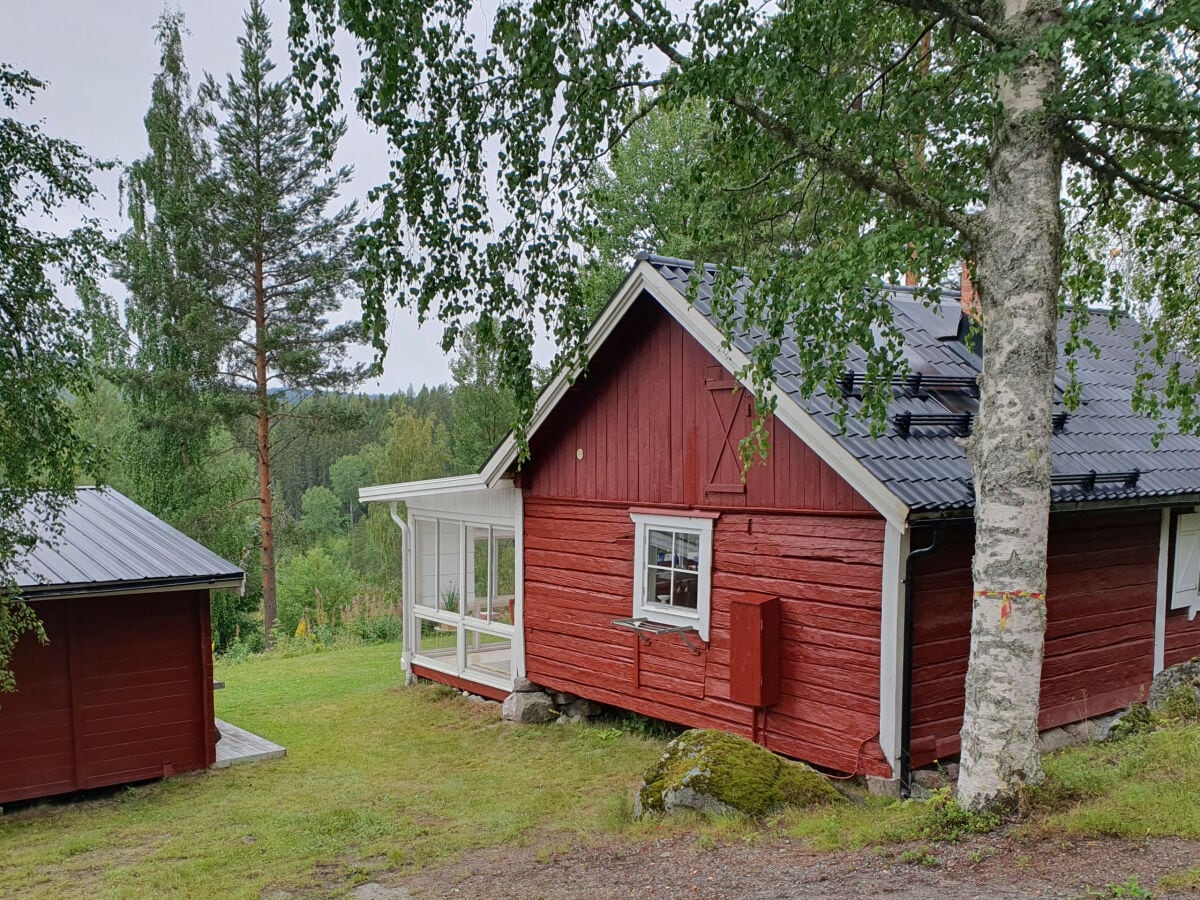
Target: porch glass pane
478	572
489	653
505	556
449	554
425	537
437	639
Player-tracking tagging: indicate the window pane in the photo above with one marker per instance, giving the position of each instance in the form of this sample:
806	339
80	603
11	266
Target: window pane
687	551
437	639
426	582
489	653
658	585
449	553
505	564
478	572
685	591
659	548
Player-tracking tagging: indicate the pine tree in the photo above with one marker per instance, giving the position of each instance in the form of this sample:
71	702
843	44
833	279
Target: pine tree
278	261
483	410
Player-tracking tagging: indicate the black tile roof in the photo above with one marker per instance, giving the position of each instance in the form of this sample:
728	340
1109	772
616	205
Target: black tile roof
108	544
928	470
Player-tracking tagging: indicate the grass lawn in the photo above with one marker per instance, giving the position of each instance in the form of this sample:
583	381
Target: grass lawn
376	776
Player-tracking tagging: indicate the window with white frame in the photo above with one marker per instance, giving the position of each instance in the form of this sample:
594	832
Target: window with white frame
672	574
1185	580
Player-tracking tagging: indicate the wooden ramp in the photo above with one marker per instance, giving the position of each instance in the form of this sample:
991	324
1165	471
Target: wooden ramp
240	746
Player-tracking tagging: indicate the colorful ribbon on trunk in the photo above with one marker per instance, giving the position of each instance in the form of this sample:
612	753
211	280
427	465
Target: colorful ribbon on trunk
1006	601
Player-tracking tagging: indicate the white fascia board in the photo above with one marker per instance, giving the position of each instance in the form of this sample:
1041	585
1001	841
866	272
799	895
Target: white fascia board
456	484
797	420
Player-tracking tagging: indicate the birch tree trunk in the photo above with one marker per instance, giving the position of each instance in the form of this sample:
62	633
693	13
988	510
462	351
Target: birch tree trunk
1019	265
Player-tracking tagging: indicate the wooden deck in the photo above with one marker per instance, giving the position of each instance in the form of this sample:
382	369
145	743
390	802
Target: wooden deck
240	746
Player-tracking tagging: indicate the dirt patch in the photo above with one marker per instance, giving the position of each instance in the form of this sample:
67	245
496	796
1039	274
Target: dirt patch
682	866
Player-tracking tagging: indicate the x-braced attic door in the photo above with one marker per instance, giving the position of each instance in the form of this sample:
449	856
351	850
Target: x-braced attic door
727	420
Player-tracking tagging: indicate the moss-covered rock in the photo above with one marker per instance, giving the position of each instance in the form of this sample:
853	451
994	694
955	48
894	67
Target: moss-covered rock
715	772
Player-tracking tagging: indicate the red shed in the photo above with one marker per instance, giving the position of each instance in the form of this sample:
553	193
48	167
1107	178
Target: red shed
123	690
792	607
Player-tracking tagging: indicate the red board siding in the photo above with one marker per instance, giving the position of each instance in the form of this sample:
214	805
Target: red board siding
1102	574
1182	638
656	421
122	692
826	570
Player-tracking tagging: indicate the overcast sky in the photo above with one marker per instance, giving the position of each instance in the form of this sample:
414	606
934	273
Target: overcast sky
99	58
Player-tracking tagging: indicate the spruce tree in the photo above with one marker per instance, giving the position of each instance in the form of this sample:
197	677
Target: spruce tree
279	261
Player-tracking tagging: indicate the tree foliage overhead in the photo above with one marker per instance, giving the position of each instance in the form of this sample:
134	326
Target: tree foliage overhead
817	112
43	342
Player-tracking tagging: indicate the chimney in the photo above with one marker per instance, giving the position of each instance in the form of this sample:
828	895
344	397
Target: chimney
969	298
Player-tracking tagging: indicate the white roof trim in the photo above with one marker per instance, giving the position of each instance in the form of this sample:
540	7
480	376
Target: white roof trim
456	484
645	277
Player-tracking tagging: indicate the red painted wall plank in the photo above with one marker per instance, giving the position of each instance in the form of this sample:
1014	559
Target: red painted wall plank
122	692
829	717
1102	574
1182	638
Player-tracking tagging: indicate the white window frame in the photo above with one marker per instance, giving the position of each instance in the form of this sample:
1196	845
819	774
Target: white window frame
675	616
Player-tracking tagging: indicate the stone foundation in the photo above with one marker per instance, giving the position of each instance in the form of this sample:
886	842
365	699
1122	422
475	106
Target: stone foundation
532	704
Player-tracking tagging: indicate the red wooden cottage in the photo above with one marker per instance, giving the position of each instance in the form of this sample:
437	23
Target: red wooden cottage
123	690
822	607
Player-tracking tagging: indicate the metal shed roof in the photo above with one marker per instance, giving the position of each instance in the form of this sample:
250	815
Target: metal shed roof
109	544
927	469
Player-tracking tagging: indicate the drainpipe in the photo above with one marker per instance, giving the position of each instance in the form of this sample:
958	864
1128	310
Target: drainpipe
906	648
406	574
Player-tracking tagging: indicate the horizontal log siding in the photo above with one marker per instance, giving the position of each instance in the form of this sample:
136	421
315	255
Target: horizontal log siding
1102	573
655	421
579	577
1182	638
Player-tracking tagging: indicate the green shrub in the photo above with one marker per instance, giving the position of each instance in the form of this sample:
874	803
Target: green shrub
942	819
1137	720
314	583
1181	704
371	618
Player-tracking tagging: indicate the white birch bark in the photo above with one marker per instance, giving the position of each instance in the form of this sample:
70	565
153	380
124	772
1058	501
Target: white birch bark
1019	264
